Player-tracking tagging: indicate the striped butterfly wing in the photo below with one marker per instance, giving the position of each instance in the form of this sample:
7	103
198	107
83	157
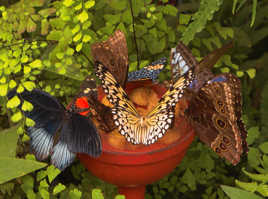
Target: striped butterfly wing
150	71
136	128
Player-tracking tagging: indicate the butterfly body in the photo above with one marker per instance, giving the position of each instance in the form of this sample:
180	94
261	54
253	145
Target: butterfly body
57	132
148	72
135	127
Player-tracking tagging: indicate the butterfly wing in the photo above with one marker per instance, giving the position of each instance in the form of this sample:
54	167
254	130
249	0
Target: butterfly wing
215	113
113	53
136	128
57	132
181	60
148	72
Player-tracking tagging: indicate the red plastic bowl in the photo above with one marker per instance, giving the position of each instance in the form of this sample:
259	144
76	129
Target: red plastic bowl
132	167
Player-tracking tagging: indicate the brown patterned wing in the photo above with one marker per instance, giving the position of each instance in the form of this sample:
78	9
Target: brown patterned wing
211	59
113	53
215	114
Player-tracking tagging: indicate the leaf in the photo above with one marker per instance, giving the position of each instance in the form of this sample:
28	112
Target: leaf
264	147
14	171
44	193
86	38
41	175
52	173
118	4
8	142
205	13
36	63
3	89
75	194
234	6
29	85
170	10
254	9
31	26
16	117
264	109
120	197
59	188
26	106
77	37
27	186
248	186
13	102
79	47
68	3
12	84
251	72
189	179
55	35
184	18
89	4
263	189
235	193
26	70
258	177
97	194
83	16
44	27
240	73
253	134
253	157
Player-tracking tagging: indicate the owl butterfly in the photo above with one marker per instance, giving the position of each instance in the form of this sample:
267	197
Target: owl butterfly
113	53
87	103
57	132
214	108
136	128
215	113
150	71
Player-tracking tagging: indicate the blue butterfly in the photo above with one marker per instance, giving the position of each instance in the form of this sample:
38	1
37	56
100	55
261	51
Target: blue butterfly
57	132
150	71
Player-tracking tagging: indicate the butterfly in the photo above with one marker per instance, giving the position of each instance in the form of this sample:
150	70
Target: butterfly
113	53
215	113
87	103
58	132
136	128
150	71
214	106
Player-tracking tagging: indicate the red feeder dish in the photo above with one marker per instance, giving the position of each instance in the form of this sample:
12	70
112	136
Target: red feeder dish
132	167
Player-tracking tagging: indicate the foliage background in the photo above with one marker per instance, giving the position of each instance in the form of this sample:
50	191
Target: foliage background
46	44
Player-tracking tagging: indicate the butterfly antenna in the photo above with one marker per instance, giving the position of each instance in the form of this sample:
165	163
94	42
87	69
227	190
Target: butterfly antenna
134	32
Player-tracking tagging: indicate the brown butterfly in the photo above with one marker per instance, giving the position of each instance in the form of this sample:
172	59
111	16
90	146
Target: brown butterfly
214	105
113	53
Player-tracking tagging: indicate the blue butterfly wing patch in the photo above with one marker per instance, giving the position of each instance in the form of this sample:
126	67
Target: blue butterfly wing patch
150	71
220	78
58	133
